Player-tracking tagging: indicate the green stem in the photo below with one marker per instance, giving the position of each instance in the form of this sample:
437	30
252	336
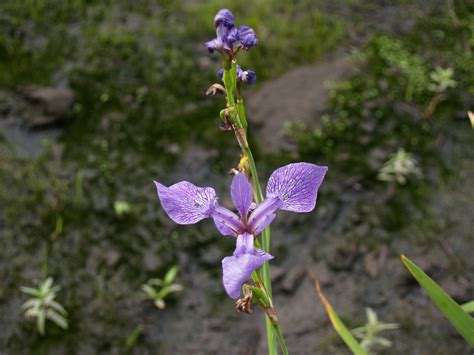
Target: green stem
281	340
273	328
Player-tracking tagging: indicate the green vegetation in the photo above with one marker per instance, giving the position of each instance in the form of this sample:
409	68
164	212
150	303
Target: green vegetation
369	333
457	316
383	108
43	305
158	289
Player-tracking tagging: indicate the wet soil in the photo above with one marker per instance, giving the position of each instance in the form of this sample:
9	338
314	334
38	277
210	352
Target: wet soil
101	262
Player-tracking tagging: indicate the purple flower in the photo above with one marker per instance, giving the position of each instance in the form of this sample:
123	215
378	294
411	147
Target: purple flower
293	187
247	76
247	37
229	38
225	18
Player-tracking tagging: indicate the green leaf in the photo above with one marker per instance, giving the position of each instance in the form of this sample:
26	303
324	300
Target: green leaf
30	291
58	307
57	318
40	321
150	291
468	307
32	303
133	337
339	326
155	282
463	323
170	275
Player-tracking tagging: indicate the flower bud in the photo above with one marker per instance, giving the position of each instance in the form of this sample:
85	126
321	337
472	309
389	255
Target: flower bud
214	45
247	37
224	17
248	76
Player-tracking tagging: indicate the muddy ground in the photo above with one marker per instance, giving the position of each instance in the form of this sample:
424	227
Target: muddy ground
352	242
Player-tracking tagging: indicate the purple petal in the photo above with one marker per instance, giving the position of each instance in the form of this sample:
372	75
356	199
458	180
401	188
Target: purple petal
261	215
227	222
241	193
296	185
232	39
244	244
224	17
247	37
238	268
248	76
223	228
186	203
214	45
264	223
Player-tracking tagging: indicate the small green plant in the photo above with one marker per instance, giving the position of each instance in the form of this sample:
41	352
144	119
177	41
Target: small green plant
122	208
43	305
158	289
441	80
399	168
368	333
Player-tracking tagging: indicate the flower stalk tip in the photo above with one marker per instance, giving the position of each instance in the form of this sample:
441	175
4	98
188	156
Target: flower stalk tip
230	40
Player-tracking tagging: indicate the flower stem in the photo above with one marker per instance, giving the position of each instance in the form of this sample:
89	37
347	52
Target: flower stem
230	83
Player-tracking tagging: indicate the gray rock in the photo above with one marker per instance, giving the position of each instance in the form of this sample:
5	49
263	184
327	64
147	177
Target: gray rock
49	104
293	278
298	95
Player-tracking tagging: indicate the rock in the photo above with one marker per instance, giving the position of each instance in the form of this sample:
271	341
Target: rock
293	279
375	294
111	257
323	274
375	261
341	258
298	95
151	260
276	274
458	288
212	256
49	104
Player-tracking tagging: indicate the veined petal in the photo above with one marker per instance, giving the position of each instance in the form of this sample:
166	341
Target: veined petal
241	193
186	203
261	215
296	185
223	228
244	244
227	222
238	268
265	222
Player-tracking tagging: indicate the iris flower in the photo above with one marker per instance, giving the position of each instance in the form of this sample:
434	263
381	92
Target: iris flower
230	38
293	187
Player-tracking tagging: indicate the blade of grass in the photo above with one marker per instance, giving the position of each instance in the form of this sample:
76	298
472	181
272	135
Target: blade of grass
337	323
463	323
